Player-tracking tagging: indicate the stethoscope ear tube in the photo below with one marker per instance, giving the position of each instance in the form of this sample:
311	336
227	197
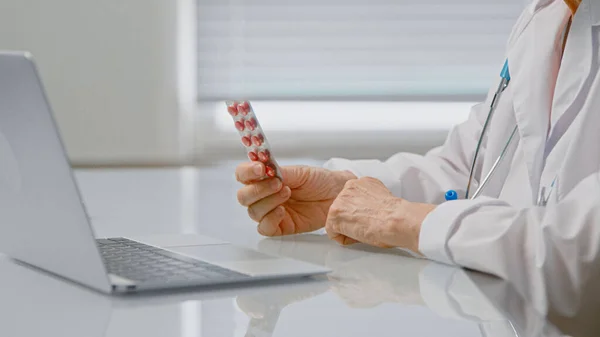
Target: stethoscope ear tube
503	84
451	194
493	169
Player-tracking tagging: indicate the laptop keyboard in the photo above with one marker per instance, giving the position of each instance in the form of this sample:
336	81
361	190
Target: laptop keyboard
144	264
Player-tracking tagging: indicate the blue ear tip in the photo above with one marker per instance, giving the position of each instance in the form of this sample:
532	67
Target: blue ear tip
451	195
505	72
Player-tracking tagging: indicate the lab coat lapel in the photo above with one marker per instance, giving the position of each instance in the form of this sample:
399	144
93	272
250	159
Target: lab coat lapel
574	74
497	136
530	61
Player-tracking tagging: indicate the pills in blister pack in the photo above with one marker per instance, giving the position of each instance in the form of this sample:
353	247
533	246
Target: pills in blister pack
252	136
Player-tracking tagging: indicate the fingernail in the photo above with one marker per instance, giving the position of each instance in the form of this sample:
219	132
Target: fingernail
280	210
276	184
285	192
258	169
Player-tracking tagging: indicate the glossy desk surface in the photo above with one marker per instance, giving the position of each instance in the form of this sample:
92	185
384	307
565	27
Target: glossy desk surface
371	292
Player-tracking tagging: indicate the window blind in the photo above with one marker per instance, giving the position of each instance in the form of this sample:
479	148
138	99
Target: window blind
368	49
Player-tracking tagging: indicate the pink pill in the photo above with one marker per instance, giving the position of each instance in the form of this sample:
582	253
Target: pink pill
258	140
246	141
251	124
233	109
252	156
270	170
264	156
243	108
239	125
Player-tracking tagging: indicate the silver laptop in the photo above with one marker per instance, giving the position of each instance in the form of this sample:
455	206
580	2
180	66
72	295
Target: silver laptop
43	221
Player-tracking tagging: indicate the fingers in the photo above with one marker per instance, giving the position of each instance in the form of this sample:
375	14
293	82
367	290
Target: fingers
254	192
249	172
342	239
276	223
261	208
269	225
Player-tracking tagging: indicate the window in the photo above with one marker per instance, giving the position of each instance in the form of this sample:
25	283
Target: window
434	57
358	49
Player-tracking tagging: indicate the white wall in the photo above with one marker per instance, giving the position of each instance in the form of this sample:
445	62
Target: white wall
111	71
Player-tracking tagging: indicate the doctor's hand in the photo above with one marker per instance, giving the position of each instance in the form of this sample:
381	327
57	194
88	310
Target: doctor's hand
299	204
366	211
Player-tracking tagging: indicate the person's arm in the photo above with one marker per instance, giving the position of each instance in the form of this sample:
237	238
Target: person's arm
548	253
426	178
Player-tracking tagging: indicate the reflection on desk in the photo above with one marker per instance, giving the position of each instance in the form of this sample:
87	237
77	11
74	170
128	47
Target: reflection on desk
381	288
367	277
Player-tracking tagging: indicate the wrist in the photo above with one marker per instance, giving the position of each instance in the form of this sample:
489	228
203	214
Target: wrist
420	214
406	222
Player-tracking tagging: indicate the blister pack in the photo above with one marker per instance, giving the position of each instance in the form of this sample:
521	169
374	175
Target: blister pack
252	136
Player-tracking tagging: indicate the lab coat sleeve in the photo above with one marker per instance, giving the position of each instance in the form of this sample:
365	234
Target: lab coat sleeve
426	178
547	253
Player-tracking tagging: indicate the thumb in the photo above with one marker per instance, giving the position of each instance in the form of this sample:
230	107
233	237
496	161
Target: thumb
295	176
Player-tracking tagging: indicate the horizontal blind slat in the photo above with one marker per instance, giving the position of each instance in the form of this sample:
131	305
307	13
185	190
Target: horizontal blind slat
324	48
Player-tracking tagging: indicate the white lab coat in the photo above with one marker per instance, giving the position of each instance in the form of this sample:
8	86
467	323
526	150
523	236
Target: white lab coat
547	252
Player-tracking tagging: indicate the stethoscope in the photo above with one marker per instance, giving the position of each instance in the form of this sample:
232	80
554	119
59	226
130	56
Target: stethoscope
452	194
504	81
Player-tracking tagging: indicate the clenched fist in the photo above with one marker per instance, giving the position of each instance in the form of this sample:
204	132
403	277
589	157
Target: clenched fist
298	204
366	211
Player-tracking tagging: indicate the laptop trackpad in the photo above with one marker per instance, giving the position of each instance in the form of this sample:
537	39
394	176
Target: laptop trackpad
248	261
219	254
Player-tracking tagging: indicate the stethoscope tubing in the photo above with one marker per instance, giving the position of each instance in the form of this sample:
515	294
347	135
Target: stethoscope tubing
493	169
501	87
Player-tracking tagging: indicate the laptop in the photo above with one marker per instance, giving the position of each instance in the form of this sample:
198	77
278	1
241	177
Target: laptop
60	309
43	221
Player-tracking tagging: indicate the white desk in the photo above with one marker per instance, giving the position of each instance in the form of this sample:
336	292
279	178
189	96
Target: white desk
371	292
